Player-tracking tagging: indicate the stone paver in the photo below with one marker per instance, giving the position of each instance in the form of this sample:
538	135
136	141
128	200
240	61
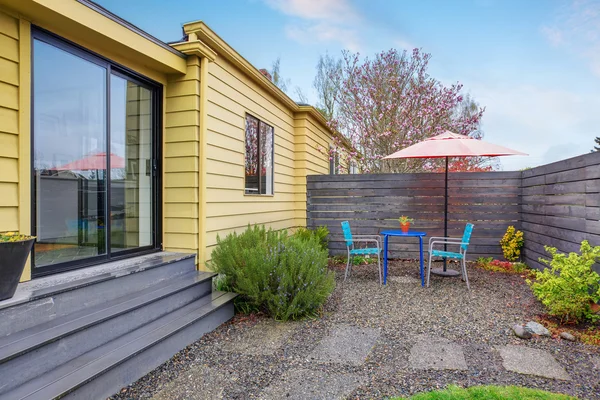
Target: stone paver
596	362
305	384
264	338
198	383
435	353
404	279
530	361
346	344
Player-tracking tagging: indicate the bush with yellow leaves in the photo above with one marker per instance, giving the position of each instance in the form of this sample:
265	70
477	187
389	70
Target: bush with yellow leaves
511	243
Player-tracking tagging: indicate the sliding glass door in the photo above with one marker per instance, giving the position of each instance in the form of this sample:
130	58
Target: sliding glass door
94	158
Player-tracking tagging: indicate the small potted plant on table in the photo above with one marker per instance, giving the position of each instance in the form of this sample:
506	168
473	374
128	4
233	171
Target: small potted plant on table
405	223
14	250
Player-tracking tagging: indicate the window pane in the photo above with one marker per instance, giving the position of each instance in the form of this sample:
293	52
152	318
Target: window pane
69	160
266	159
131	201
251	155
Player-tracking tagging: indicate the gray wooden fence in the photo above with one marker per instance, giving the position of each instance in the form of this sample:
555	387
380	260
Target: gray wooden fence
372	203
561	206
556	204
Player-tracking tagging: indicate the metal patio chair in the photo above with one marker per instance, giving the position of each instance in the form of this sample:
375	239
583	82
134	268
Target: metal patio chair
351	239
463	244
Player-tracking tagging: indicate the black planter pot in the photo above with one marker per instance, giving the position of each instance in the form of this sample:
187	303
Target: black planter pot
13	256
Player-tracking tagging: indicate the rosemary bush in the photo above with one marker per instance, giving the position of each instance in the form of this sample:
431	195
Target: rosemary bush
284	276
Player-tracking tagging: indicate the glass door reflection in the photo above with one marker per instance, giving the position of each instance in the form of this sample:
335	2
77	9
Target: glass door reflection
131	165
69	160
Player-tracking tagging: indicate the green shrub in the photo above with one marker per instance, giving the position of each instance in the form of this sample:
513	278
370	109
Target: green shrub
285	276
321	233
569	286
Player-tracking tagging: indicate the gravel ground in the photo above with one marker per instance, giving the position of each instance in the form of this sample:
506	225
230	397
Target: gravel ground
406	314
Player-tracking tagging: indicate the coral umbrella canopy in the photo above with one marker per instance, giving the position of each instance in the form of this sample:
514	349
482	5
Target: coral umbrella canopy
450	144
447	145
94	161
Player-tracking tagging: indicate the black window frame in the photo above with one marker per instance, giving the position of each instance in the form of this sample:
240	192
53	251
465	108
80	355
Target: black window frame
112	68
259	164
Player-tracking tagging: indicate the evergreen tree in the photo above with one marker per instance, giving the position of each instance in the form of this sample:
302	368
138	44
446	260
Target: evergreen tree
597	141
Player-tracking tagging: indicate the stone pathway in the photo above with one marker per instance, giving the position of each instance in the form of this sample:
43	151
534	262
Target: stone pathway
346	345
433	353
529	361
302	384
380	342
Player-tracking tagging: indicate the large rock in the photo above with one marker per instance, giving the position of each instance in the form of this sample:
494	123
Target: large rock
521	332
537	328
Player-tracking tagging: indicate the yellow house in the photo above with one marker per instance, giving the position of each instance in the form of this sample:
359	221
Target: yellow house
114	144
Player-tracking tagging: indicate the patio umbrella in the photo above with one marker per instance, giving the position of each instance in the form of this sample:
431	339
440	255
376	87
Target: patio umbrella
93	162
448	145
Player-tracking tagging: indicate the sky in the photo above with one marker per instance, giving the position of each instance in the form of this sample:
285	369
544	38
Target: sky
533	64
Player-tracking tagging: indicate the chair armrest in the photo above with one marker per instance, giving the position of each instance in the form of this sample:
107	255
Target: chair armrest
445	242
444	238
365	241
368	237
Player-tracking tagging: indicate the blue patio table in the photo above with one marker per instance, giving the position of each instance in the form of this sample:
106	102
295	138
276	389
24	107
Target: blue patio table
386	235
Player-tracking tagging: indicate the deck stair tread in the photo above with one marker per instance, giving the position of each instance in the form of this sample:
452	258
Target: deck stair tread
18	343
81	370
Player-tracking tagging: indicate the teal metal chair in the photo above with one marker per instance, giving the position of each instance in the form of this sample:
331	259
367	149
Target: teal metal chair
463	245
352	251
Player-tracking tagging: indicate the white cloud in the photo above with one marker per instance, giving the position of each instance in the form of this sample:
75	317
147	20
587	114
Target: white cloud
577	29
404	44
548	124
329	10
320	21
554	35
323	32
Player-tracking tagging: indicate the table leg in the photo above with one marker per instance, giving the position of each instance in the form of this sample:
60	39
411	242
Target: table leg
385	258
421	260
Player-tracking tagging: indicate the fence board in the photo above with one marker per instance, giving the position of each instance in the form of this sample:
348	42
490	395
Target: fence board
556	204
561	206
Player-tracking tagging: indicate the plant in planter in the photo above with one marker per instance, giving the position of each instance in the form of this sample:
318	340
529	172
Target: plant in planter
405	223
14	250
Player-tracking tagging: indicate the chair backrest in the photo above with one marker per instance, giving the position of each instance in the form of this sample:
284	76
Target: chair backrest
467	236
347	233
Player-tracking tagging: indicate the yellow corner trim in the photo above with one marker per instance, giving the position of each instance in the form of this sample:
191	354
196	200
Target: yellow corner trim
197	48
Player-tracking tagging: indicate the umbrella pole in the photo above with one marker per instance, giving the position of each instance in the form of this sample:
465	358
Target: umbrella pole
446	211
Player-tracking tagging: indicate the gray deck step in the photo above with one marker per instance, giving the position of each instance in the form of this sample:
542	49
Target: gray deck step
48	298
102	371
40	350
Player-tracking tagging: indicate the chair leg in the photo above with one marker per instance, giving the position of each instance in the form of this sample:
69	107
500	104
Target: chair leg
347	267
465	273
428	268
379	267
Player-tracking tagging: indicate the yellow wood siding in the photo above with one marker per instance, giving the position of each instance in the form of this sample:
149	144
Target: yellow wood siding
231	95
9	122
181	160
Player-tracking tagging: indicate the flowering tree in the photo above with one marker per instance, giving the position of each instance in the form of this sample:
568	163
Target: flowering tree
390	102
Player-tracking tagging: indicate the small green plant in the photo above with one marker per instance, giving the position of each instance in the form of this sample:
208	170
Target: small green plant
284	276
511	243
405	220
321	233
570	285
360	260
13	237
